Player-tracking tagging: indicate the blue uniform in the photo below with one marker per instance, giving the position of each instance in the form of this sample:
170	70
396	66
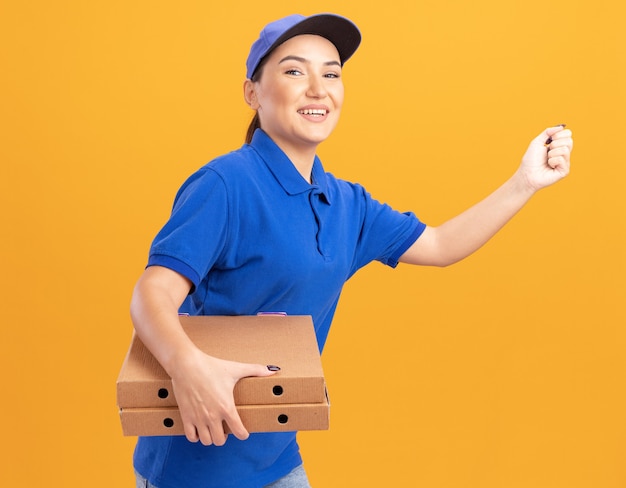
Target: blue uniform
252	235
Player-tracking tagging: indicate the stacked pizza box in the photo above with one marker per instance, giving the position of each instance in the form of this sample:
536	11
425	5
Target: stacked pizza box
293	399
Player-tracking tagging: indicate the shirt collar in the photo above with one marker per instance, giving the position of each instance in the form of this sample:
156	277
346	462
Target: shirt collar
284	170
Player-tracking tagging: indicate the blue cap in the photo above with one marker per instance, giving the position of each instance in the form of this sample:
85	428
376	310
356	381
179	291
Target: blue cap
338	30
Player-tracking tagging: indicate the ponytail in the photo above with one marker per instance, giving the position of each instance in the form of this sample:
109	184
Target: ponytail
255	124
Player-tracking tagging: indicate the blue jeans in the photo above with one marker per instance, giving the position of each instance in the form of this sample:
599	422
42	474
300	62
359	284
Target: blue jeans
296	479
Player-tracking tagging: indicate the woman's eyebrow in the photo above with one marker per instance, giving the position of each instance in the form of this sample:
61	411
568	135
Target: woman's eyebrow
304	60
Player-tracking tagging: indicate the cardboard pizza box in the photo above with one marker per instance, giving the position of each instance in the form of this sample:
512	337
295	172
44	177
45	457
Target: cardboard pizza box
286	341
256	418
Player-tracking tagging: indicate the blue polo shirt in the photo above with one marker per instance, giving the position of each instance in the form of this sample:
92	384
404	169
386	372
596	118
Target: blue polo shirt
252	235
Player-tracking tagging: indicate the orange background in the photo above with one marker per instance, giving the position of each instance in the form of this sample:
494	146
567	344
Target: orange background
506	370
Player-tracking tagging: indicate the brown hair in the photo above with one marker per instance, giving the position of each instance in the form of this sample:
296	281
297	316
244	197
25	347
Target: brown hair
255	123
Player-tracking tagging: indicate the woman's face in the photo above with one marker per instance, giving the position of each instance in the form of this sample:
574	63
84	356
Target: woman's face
300	93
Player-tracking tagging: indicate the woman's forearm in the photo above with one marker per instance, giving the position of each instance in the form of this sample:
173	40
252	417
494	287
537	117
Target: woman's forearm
466	233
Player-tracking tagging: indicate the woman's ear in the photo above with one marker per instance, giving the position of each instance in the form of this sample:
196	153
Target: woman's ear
249	94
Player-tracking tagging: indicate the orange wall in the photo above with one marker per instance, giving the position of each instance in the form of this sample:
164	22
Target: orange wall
504	371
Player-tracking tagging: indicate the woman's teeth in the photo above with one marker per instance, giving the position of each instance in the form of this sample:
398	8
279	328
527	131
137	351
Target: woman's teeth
312	111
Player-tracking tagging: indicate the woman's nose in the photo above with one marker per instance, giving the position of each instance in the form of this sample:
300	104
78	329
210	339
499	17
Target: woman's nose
317	88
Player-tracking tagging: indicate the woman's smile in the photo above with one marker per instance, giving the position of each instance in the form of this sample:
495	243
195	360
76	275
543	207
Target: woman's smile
314	113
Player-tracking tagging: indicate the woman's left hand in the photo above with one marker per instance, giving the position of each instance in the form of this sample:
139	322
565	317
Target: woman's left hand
547	159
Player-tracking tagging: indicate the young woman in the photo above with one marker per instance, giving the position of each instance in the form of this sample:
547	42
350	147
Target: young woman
265	228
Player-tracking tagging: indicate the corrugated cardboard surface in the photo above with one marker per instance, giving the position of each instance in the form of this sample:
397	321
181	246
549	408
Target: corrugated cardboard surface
285	341
256	418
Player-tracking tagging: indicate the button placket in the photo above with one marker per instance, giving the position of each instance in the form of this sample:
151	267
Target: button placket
314	201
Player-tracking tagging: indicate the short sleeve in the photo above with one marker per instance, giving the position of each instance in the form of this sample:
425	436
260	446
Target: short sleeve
386	233
194	236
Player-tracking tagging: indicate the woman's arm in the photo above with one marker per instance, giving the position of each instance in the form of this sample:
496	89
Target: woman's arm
203	385
462	235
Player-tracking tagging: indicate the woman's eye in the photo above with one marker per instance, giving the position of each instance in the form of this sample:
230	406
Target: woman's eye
293	72
332	75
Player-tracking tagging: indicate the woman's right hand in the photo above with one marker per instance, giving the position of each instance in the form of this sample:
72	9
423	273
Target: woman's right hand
203	387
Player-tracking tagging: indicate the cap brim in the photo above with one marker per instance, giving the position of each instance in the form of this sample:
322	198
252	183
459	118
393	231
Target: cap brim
340	31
